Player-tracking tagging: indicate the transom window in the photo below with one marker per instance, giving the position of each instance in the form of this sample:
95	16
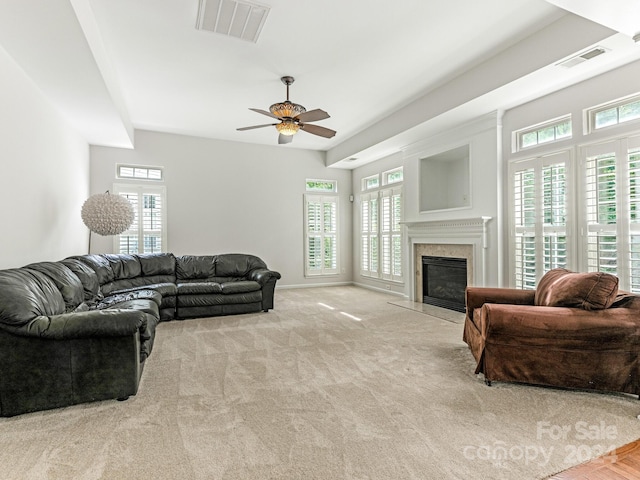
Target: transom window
322	186
139	172
614	113
369	183
551	131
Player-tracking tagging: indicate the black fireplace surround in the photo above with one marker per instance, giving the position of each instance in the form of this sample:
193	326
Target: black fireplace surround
444	280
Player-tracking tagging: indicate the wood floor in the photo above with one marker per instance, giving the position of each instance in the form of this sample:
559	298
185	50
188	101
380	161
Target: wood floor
620	464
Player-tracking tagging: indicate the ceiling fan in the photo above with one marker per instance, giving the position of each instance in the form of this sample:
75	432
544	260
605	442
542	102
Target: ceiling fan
293	117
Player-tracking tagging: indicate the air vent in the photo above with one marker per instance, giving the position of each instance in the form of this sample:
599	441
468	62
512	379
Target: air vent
581	58
239	19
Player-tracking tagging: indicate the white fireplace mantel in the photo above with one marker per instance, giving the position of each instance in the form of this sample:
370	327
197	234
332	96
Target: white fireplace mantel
466	231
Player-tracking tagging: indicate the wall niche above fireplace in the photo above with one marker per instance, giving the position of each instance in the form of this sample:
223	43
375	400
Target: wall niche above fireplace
445	180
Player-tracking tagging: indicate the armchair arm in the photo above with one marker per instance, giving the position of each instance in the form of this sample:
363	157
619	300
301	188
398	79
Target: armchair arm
94	323
560	327
478	296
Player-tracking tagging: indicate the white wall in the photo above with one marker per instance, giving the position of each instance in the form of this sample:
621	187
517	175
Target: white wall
485	185
45	175
232	197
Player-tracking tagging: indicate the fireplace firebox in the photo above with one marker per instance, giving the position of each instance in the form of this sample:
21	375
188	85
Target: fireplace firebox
444	280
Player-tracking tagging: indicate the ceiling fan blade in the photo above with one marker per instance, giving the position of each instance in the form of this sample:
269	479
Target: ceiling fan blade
256	126
264	112
313	115
318	130
285	139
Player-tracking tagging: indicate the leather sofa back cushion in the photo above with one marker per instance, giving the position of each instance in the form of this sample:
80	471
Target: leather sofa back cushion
195	267
154	264
562	288
67	282
86	275
100	265
124	266
237	264
26	294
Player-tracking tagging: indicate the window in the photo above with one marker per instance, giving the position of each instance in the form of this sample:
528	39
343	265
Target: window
371	182
538	217
392	176
381	232
611	174
148	233
139	172
322	186
321	234
614	113
551	131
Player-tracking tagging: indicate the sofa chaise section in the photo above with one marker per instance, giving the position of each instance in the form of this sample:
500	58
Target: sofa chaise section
54	352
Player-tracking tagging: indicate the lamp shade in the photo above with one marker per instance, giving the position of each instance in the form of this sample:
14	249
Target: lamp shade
107	214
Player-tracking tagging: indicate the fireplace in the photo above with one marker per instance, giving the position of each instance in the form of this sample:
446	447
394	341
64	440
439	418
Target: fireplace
444	280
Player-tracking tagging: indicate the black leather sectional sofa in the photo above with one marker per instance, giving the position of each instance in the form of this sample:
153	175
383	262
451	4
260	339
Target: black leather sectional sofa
81	329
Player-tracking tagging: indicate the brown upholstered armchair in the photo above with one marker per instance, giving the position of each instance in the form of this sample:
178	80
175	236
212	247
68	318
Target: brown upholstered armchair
576	330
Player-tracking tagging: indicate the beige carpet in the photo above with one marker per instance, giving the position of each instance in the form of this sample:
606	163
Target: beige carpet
335	383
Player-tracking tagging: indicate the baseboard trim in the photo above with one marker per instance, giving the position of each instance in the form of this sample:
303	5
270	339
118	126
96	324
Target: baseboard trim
313	285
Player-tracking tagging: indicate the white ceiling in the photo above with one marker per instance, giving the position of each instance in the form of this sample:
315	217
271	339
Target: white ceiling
115	65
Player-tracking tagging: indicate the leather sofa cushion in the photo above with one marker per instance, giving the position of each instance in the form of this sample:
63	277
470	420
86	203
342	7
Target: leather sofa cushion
242	286
87	277
195	267
26	294
562	288
124	266
196	288
218	299
154	264
67	282
237	264
100	266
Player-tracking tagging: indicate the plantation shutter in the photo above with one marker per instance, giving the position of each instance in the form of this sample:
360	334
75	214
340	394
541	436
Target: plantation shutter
147	234
612	209
538	217
391	233
321	220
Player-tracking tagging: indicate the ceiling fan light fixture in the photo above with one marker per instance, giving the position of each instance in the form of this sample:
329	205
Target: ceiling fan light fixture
287	127
286	109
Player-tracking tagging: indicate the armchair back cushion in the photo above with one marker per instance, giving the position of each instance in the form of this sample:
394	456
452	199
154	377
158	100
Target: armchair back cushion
590	291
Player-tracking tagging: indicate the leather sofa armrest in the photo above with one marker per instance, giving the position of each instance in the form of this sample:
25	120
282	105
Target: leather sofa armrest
94	323
263	275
